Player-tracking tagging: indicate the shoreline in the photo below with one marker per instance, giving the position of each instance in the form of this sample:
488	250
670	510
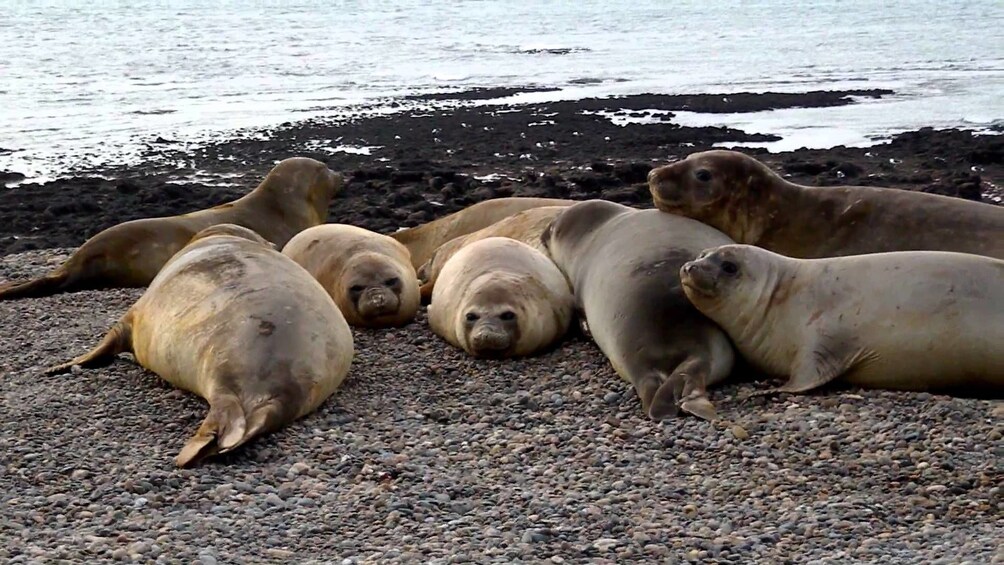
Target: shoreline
427	163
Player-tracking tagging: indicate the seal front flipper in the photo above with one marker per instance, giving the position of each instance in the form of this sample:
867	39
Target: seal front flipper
223	429
825	360
48	284
117	340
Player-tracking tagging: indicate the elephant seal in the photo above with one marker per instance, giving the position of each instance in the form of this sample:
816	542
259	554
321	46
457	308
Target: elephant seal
422	240
525	226
745	199
500	298
906	320
295	195
368	275
624	267
241	325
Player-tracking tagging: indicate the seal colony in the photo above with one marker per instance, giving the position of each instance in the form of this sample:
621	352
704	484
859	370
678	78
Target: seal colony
655	289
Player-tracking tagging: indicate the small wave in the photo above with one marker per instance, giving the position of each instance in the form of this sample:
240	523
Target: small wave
152	112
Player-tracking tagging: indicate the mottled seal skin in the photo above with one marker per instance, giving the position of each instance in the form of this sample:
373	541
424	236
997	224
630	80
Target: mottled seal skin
525	227
369	275
241	325
624	267
749	202
422	240
907	320
500	298
294	196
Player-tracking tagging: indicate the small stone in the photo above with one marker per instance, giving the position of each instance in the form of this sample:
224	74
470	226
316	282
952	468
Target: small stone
605	544
739	432
611	397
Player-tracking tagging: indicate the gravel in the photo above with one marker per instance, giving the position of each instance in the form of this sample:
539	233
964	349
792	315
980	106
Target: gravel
428	455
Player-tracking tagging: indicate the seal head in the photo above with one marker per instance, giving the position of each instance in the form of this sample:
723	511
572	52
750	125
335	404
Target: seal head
372	286
490	322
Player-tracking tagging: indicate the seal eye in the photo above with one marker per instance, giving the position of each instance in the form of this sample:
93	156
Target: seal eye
729	268
703	175
357	288
507	315
471	317
393	281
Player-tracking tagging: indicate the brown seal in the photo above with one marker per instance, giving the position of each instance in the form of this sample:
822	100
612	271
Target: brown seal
624	267
241	325
904	320
422	240
369	275
742	197
294	196
525	226
500	298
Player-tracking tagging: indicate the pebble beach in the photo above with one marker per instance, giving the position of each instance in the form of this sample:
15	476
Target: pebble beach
426	455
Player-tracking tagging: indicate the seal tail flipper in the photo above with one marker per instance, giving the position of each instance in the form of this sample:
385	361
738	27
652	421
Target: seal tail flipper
52	283
263	418
684	389
222	430
117	340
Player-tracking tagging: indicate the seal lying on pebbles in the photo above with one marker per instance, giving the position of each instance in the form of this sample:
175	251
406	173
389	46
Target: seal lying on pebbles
295	195
369	275
241	325
742	197
624	267
499	298
525	226
908	320
422	240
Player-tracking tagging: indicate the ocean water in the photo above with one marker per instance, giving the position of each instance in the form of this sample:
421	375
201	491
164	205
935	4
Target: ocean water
86	83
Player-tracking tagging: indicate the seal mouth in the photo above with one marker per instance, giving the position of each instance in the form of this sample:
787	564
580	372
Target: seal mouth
697	279
378	302
491	343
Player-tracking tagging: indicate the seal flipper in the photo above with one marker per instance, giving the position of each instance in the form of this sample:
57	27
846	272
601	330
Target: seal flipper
827	359
684	389
48	284
117	340
223	429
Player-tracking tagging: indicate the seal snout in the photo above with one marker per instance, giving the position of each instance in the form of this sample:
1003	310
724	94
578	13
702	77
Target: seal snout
490	341
699	275
378	301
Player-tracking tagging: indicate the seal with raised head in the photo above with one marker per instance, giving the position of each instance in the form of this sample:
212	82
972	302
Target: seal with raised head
369	275
422	240
500	298
624	267
241	325
749	202
294	196
906	320
525	226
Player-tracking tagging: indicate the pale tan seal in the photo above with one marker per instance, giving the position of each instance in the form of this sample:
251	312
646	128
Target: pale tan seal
294	196
525	227
624	267
745	199
369	275
500	298
422	240
907	320
241	325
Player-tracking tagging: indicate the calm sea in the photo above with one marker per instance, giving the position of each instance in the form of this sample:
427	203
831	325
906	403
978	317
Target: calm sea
85	83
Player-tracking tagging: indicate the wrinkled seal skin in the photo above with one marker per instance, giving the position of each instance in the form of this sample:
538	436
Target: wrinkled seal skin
500	298
422	240
241	325
745	199
294	196
907	320
368	275
624	267
525	227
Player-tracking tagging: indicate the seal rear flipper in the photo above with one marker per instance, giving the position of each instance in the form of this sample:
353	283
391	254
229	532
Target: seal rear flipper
684	389
52	283
117	340
265	417
222	430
